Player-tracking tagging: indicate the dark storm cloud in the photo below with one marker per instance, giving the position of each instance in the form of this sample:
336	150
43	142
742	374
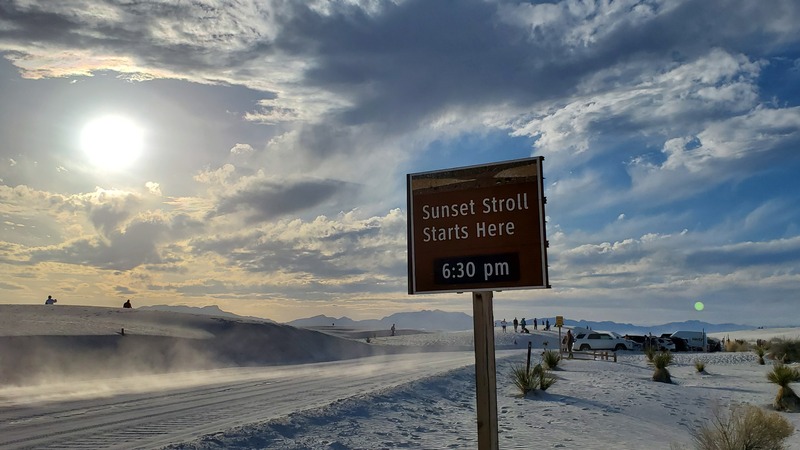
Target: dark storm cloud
399	64
191	30
416	57
268	200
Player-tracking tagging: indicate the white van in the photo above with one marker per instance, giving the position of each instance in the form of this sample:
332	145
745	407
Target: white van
697	340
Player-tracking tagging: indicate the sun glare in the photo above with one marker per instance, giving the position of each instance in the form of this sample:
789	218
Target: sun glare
112	142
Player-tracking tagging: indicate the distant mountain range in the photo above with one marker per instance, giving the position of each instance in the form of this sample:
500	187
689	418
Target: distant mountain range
419	320
437	320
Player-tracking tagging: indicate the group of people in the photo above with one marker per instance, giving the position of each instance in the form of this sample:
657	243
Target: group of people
51	301
522	325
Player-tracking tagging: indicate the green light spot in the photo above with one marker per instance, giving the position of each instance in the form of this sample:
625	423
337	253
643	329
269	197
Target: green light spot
699	306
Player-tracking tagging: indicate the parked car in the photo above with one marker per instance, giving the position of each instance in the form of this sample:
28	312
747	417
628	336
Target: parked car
658	343
681	345
714	345
601	340
696	340
640	342
665	344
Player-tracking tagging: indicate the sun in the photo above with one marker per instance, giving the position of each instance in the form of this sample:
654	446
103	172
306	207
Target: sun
112	142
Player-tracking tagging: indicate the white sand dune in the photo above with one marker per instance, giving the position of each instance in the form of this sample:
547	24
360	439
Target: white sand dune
593	405
38	341
761	333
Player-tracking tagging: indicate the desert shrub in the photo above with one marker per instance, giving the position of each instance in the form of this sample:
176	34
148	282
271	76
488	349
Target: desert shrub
650	352
743	427
782	375
760	351
661	360
550	359
700	365
784	350
527	381
737	345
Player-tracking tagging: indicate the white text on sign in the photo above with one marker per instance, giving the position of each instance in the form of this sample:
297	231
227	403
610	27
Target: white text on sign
482	229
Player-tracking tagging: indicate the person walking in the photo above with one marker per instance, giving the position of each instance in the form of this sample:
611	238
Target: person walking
522	326
535	324
570	341
516	324
503	324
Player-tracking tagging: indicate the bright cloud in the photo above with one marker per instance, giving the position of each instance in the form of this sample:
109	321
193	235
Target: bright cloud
278	137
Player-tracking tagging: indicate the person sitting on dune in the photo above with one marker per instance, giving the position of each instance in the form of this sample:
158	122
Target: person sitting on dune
50	300
127	304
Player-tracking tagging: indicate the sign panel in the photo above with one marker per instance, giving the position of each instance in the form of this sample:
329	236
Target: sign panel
477	228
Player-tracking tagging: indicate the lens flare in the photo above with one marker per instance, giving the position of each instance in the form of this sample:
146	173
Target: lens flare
699	306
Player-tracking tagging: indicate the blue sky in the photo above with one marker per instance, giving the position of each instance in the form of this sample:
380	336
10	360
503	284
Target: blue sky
273	139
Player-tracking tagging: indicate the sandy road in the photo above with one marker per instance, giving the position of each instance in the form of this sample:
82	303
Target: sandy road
150	411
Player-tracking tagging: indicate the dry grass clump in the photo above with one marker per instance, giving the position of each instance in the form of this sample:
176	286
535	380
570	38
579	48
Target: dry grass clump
782	375
661	361
784	350
737	345
700	365
745	427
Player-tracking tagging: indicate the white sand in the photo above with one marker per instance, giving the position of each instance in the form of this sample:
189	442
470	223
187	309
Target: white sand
593	405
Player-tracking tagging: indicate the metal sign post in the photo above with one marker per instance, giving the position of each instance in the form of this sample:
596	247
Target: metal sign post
485	375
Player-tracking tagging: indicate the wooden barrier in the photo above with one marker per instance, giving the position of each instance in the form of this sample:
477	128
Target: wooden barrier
604	355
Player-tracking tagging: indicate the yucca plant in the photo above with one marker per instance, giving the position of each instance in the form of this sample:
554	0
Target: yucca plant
700	365
529	380
543	377
650	353
782	375
524	379
661	361
760	351
550	359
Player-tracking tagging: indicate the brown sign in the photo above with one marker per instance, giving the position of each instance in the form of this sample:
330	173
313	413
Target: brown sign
477	228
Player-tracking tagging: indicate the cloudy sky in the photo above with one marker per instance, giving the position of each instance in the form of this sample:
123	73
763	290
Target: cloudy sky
252	154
